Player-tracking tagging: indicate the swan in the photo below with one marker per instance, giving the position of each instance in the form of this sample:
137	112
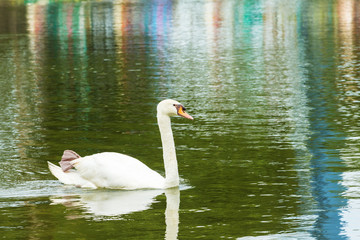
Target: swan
119	171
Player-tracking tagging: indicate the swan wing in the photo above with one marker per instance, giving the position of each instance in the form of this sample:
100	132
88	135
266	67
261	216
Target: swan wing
116	170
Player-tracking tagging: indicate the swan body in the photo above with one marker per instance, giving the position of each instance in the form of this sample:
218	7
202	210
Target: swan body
119	171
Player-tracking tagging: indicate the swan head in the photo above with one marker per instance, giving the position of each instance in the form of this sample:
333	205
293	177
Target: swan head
172	108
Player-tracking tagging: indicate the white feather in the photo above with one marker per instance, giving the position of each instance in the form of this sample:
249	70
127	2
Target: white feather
71	177
116	170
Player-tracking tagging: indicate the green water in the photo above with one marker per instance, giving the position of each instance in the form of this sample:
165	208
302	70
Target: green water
274	87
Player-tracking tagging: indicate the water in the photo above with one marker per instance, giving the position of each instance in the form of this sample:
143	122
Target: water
273	152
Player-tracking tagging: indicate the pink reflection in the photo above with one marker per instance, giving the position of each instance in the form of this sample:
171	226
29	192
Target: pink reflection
69	19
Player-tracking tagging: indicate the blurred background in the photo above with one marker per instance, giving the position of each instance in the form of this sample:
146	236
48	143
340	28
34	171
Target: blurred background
273	152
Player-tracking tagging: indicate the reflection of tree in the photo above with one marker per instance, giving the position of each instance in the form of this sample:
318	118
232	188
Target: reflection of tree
348	72
12	18
20	113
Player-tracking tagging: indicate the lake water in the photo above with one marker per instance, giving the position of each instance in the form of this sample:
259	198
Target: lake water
274	87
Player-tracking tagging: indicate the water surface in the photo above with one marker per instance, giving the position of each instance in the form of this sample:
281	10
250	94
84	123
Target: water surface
273	152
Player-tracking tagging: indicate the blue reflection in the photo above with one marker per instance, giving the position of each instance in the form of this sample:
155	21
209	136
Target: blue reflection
327	137
326	183
323	144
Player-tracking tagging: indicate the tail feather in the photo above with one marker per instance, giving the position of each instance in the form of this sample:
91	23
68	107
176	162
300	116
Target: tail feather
59	174
69	177
66	159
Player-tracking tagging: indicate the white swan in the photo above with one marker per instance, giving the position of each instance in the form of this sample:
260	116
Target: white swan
119	171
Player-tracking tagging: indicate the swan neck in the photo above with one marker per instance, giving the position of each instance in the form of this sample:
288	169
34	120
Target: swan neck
169	153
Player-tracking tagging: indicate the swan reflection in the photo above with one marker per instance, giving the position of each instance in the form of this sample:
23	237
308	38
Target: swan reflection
172	213
112	204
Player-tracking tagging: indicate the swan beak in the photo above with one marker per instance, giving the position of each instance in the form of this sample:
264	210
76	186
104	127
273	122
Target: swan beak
181	112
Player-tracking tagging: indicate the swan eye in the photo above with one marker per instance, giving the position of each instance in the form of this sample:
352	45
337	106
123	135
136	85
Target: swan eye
179	106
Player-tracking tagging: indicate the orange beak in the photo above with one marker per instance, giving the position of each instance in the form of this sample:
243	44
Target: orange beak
181	112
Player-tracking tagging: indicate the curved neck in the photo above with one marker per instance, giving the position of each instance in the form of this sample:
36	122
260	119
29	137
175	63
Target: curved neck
169	154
